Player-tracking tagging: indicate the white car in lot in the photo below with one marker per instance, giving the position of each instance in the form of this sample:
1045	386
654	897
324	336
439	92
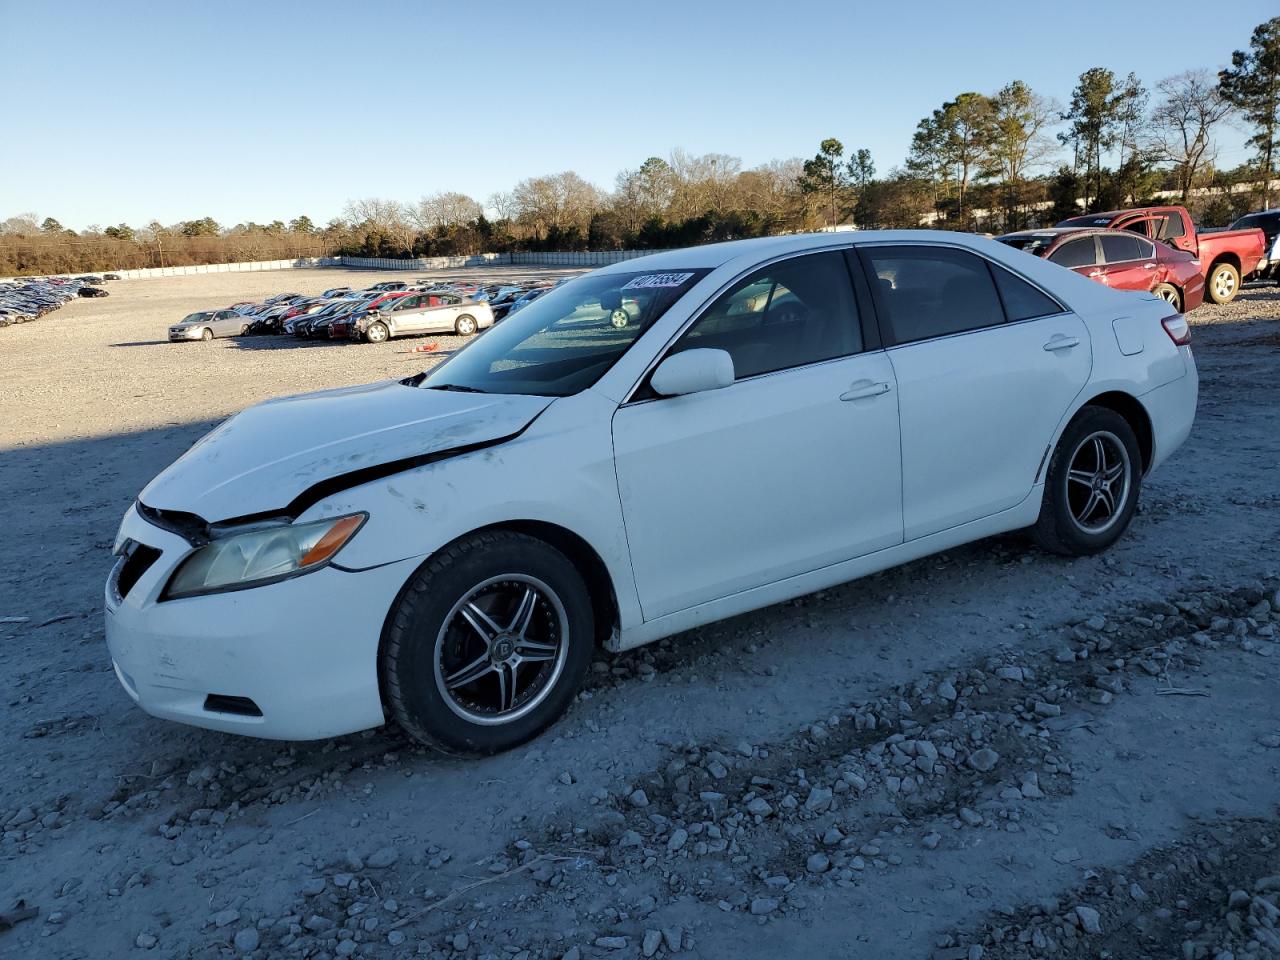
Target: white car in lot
777	416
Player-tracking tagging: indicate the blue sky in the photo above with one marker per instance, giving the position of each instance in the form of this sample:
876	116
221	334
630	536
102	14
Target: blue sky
253	111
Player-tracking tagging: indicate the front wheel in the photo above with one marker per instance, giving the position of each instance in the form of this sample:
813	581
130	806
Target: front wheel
465	325
487	644
1091	488
376	333
1224	283
1169	293
206	334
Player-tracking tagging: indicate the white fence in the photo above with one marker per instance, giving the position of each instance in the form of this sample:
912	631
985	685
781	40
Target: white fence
597	258
424	263
545	259
298	263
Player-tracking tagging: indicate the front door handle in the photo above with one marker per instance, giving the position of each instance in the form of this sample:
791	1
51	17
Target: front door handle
1059	342
865	388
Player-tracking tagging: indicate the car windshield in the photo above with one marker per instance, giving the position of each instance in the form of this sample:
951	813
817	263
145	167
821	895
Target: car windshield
566	340
196	317
1036	243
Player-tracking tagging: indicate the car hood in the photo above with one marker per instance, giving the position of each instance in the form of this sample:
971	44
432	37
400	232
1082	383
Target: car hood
263	459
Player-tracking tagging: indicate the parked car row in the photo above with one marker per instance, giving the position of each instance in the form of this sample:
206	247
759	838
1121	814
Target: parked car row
25	300
1159	250
390	308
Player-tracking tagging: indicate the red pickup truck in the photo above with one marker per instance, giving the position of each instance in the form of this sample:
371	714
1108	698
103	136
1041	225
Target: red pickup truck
1225	256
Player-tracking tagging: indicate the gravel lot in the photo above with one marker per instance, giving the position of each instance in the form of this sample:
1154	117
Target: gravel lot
991	753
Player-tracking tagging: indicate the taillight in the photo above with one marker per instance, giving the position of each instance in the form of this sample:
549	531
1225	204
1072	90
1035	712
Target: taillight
1178	329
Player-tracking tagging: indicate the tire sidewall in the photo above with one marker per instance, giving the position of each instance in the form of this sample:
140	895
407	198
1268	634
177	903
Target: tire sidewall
1076	540
409	646
466	325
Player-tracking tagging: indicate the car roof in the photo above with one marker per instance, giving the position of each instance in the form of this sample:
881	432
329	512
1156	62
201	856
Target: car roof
714	255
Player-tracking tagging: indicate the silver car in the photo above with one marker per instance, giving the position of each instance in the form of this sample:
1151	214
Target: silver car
424	313
208	324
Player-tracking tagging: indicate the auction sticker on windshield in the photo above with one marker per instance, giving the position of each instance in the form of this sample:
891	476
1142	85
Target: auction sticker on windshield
657	280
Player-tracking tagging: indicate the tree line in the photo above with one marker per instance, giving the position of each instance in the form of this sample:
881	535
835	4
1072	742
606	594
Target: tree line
995	161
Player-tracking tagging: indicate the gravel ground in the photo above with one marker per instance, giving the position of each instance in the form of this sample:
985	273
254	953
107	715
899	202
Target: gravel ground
988	753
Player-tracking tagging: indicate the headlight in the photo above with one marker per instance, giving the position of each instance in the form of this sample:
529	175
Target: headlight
261	556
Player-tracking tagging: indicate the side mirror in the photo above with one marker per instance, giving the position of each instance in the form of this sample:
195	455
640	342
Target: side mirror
693	371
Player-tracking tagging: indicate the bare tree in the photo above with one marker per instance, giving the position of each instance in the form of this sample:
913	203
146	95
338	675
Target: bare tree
447	209
23	223
1190	106
558	202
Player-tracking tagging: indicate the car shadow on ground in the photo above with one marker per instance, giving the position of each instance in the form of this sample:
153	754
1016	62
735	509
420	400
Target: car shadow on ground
141	343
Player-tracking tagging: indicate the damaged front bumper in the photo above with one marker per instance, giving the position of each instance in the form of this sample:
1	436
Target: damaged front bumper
293	660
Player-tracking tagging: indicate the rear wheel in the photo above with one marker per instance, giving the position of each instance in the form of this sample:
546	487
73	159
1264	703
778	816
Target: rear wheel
244	328
206	334
488	643
465	325
1224	283
1091	488
376	333
1169	293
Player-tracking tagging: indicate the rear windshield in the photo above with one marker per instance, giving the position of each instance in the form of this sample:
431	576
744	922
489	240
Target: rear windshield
1036	243
565	340
1092	220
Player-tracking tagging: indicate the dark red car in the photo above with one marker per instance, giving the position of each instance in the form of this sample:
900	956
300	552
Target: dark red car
1224	256
1120	259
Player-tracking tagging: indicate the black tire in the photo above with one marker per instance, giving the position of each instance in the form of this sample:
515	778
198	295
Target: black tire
1060	528
377	333
424	628
244	328
1169	293
465	325
206	334
1223	284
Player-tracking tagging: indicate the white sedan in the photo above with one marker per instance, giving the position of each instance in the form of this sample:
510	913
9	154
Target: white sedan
777	416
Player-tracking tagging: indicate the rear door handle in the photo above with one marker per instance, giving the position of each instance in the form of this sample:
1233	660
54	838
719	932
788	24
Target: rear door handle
865	388
1148	266
1060	342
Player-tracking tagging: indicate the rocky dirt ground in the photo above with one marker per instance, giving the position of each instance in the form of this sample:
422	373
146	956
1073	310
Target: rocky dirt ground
991	753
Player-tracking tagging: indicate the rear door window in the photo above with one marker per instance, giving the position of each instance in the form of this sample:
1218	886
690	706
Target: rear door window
1022	301
1120	249
1075	253
927	292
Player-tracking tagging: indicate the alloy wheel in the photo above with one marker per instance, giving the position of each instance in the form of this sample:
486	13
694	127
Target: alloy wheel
1098	481
501	649
1224	284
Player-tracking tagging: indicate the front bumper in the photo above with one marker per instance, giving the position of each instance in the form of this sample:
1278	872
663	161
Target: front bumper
303	651
185	333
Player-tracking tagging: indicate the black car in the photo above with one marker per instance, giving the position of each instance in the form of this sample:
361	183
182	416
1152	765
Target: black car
91	291
1268	221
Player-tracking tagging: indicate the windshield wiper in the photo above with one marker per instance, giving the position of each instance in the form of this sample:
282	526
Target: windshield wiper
459	388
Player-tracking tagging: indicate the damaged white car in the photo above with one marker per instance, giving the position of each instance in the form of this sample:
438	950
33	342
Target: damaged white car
661	443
